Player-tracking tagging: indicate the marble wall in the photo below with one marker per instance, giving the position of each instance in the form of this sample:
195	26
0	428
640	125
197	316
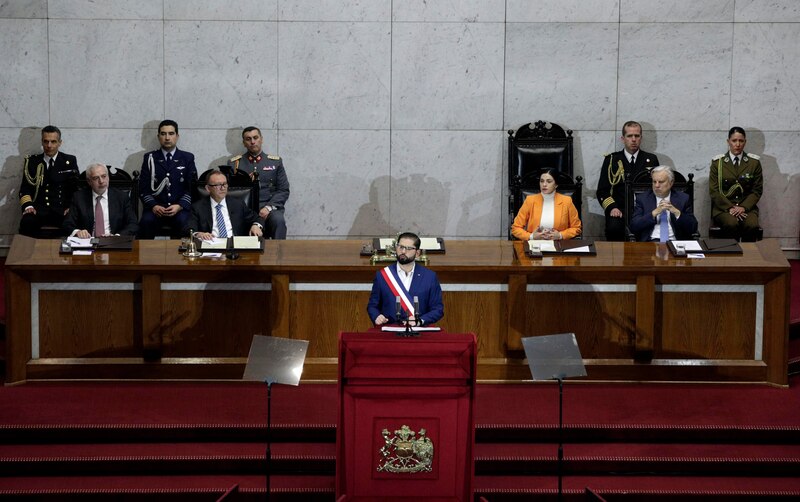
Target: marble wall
392	115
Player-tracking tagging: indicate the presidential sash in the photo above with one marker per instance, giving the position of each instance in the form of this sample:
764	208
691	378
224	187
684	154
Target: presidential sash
397	289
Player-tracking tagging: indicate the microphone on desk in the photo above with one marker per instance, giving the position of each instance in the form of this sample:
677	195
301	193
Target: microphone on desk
416	310
398	309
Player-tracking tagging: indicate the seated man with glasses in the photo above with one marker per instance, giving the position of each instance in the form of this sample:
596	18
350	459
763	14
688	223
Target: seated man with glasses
222	216
416	287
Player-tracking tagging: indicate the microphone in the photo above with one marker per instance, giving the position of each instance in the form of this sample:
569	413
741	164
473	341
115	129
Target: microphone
416	310
398	309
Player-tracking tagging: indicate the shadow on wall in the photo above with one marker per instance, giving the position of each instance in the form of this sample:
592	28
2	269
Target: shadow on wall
149	142
28	143
416	203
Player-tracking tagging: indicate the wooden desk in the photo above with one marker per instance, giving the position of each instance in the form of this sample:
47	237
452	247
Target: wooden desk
637	313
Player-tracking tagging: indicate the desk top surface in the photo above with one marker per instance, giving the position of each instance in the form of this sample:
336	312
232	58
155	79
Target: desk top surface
343	255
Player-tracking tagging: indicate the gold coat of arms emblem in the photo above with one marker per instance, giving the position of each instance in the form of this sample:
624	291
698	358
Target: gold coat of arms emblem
406	451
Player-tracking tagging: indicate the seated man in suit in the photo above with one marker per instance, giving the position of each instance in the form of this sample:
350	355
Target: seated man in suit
100	210
222	216
663	214
417	287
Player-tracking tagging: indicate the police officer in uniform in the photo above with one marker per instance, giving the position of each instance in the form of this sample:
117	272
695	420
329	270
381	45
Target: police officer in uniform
611	185
48	182
735	184
165	185
273	183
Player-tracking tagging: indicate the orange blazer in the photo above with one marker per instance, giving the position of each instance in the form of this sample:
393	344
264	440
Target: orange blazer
530	214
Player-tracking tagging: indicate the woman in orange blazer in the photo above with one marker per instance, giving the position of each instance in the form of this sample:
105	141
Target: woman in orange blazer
547	215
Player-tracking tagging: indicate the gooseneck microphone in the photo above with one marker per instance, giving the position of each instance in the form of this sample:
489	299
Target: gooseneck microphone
398	309
416	310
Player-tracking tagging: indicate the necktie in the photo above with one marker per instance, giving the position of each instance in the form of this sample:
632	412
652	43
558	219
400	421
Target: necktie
664	229
169	157
52	162
99	221
221	222
736	161
633	159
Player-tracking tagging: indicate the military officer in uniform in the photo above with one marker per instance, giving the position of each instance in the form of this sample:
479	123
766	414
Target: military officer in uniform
48	181
165	185
735	184
273	183
611	185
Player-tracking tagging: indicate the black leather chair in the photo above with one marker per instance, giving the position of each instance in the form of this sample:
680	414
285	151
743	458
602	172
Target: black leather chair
642	182
532	148
566	186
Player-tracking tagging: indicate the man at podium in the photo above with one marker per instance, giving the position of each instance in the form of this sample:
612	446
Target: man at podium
406	290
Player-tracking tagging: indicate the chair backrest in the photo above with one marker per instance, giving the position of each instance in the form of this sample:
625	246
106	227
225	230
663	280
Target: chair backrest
121	180
240	186
641	182
566	186
532	148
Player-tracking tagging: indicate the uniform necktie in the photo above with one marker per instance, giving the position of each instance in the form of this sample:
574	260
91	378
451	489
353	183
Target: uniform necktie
221	222
736	161
664	230
99	221
633	159
52	162
169	157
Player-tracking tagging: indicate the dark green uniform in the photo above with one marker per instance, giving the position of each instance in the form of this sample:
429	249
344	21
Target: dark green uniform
730	185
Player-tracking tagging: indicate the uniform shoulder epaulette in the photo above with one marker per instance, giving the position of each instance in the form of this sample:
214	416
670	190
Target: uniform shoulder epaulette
753	156
28	156
607	154
717	157
234	159
274	157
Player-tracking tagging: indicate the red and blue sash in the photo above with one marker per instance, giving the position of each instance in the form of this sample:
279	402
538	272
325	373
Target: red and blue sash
397	288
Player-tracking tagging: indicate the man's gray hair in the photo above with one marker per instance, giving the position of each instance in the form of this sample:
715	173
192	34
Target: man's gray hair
664	169
94	166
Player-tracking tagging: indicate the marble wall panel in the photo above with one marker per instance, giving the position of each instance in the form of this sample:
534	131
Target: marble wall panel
779	11
779	208
107	9
120	148
464	11
448	183
565	73
221	10
343	10
675	75
447	76
20	10
589	147
216	80
340	183
106	74
676	11
334	75
24	81
766	60
562	11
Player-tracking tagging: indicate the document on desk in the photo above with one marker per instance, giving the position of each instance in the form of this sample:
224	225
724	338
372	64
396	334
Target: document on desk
542	245
78	243
430	244
689	246
579	249
215	243
415	329
243	242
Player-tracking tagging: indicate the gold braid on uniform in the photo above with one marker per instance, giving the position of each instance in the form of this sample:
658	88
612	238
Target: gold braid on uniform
614	178
736	186
36	181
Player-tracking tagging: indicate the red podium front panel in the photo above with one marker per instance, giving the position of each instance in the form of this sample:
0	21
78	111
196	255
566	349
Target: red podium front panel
406	427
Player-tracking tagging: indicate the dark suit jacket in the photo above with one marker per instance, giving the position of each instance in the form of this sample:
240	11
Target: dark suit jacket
242	217
425	286
642	222
121	217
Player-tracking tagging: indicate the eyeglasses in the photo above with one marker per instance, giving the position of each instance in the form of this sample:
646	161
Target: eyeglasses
406	248
219	185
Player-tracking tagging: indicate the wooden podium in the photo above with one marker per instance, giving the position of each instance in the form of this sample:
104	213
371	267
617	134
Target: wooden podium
406	423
